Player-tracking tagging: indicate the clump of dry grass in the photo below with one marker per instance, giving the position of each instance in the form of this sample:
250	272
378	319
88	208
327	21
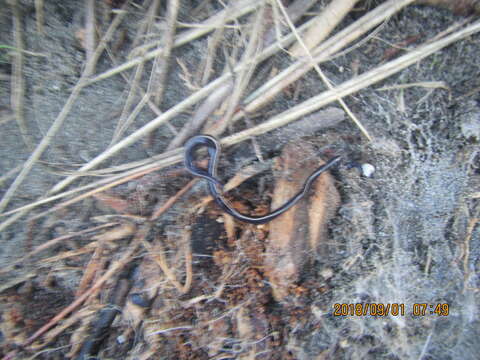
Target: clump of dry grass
229	98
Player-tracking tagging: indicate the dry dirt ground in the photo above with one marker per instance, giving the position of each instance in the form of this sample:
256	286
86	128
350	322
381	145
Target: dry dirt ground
406	235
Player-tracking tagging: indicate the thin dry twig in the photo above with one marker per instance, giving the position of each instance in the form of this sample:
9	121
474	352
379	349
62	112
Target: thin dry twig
90	270
126	119
110	182
146	23
9	174
18	83
158	77
53	333
160	68
424	84
295	11
206	69
210	104
169	203
90	30
39	15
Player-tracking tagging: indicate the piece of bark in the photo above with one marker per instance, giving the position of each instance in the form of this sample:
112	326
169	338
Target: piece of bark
323	204
302	230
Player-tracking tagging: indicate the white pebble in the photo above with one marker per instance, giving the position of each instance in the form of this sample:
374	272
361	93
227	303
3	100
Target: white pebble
368	169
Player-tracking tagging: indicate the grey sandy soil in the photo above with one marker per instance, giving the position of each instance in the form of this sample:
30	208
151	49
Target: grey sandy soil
404	235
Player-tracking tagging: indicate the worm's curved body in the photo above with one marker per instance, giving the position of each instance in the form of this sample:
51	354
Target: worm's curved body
215	186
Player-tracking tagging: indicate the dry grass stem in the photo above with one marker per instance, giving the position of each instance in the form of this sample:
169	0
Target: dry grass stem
89	30
9	174
145	168
17	82
424	84
39	18
295	11
143	131
12	219
68	254
169	203
58	122
146	24
92	268
320	73
110	181
125	118
323	26
160	67
206	69
452	28
52	334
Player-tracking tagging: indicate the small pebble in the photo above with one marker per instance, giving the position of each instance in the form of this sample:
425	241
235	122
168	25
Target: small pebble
368	170
139	300
121	339
327	273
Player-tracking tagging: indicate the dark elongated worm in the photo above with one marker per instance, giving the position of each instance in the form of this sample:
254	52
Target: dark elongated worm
215	186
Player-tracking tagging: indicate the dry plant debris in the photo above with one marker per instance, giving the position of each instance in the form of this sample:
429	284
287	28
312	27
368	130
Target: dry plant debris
463	7
163	273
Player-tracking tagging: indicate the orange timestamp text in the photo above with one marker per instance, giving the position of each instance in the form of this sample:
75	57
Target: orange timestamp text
393	309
